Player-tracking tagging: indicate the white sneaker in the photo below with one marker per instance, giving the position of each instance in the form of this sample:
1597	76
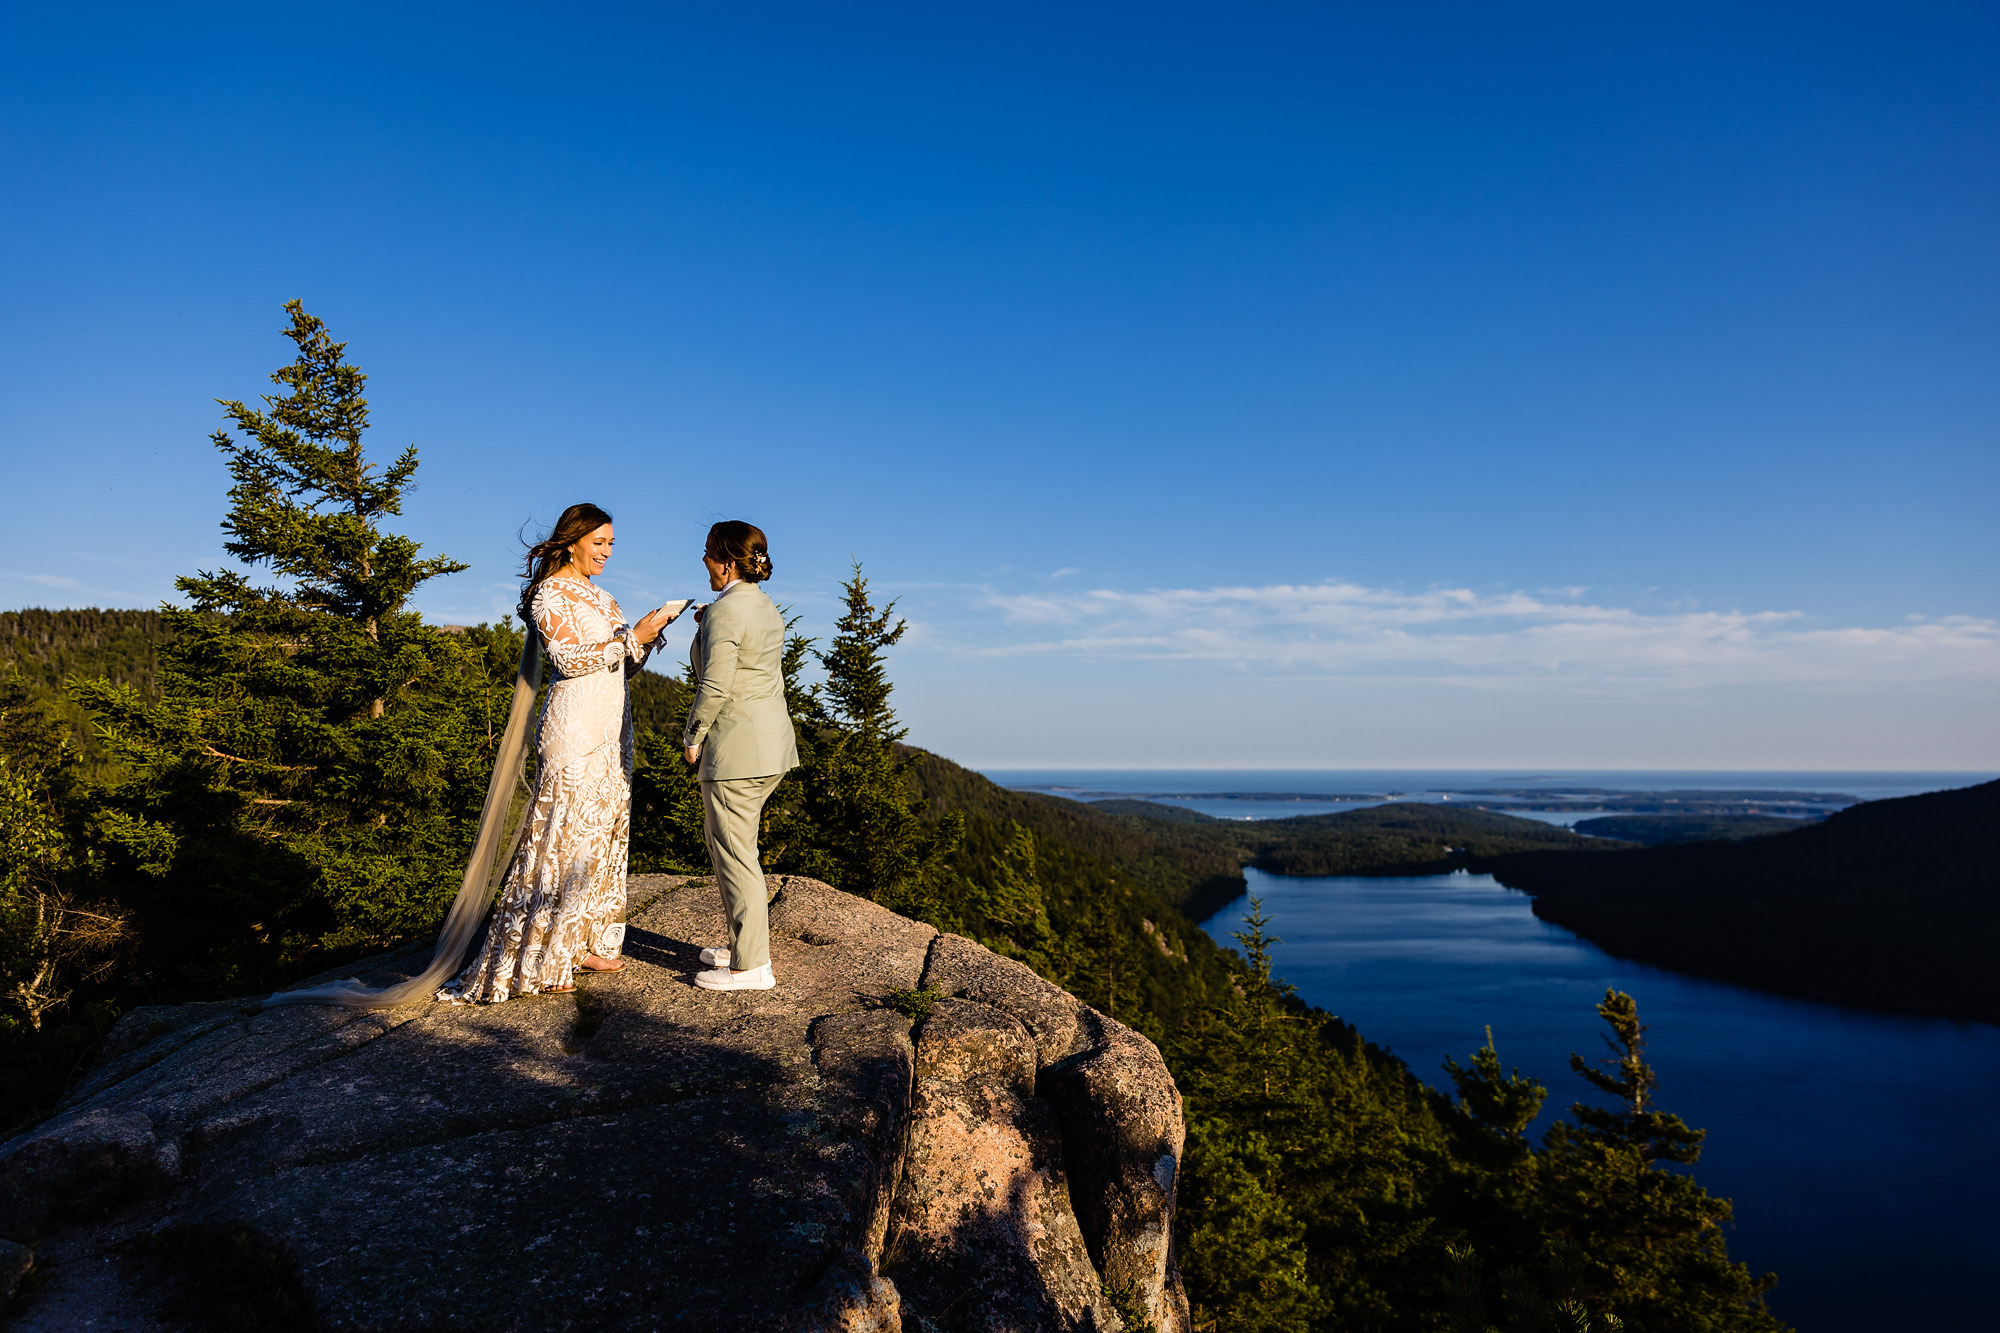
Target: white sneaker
715	957
756	978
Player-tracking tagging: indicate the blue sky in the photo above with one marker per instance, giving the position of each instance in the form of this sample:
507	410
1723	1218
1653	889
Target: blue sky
1282	386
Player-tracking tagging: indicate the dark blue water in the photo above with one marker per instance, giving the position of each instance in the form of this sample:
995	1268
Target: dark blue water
1859	1148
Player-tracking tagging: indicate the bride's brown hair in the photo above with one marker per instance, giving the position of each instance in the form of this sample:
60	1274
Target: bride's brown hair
549	555
743	545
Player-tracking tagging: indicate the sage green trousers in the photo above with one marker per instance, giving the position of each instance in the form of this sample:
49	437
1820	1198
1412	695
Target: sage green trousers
731	810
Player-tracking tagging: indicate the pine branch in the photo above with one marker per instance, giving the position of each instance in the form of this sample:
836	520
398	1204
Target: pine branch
259	763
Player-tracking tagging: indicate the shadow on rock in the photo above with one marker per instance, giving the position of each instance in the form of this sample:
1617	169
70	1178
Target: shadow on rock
635	1155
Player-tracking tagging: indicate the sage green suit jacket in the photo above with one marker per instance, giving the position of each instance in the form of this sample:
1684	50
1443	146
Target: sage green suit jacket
739	716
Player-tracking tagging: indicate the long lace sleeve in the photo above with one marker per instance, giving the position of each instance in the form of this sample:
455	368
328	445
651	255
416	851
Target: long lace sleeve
636	653
559	616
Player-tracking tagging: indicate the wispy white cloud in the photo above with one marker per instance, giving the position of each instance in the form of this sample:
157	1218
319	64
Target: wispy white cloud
20	587
1460	636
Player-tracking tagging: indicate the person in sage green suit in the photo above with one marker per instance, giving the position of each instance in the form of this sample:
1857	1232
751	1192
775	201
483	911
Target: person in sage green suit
739	734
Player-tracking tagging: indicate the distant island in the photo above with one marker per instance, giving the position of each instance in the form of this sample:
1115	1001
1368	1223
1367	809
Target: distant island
1097	797
1652	830
1786	804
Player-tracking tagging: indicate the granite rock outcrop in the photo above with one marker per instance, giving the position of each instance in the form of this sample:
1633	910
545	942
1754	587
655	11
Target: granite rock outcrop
636	1155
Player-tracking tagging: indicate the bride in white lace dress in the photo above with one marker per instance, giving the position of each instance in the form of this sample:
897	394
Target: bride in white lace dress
563	903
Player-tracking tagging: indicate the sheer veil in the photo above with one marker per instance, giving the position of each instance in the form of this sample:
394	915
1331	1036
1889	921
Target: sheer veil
501	821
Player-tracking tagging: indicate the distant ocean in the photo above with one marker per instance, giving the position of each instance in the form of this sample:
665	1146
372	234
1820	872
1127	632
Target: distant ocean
1557	796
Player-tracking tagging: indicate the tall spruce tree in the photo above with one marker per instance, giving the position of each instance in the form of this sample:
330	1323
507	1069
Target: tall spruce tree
1648	1244
312	773
1496	1103
856	794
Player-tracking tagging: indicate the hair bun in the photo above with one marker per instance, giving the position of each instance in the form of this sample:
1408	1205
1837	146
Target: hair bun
741	544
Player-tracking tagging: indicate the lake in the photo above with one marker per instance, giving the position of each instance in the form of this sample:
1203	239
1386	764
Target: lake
1853	1143
1857	1146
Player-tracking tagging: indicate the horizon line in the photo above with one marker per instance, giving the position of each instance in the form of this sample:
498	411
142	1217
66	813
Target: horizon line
1595	767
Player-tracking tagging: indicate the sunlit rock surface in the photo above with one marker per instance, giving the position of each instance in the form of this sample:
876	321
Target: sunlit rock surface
638	1155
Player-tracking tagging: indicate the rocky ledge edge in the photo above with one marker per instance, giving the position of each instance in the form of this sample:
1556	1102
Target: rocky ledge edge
639	1154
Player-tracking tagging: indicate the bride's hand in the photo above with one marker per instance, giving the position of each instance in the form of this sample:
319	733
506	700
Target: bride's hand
649	627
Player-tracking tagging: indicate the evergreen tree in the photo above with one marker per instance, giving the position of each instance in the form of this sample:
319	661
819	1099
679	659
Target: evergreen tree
1649	1242
1497	1102
1338	1135
1488	1190
60	940
1243	1251
1009	913
48	647
857	795
49	938
1632	1127
312	772
1095	953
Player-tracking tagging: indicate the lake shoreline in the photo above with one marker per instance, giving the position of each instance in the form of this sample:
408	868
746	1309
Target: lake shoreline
1817	1111
1878	905
1202	913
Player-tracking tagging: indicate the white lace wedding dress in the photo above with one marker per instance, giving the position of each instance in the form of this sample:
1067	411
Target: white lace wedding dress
564	896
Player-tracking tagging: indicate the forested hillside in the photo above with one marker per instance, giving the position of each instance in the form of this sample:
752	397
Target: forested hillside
1400	839
1192	863
46	648
1890	903
655	700
1196	862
